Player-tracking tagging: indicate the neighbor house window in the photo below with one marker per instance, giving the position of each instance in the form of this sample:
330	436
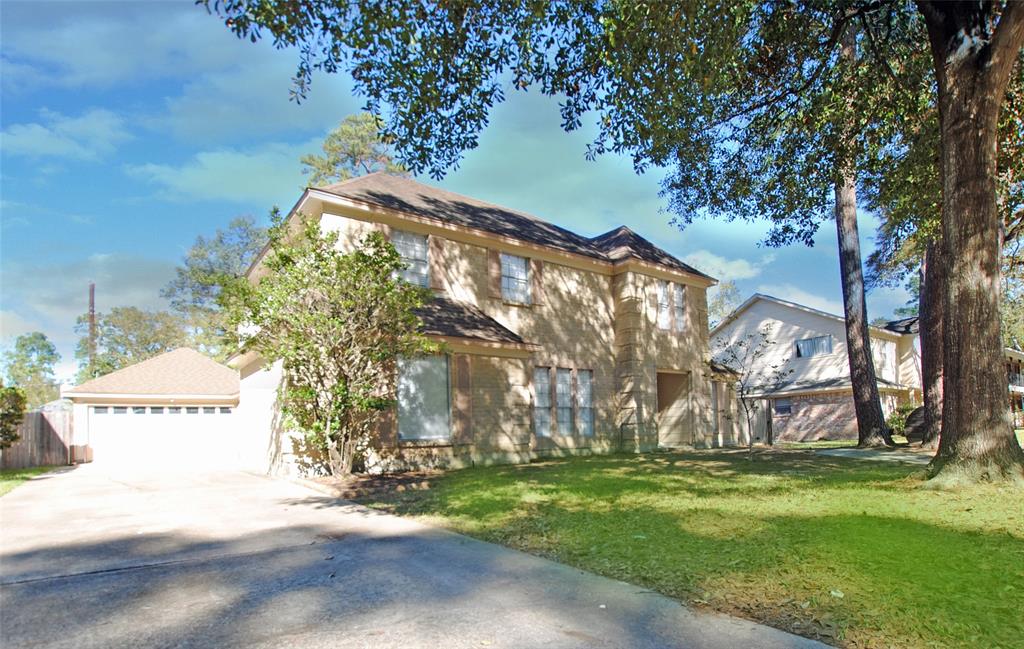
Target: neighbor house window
813	346
423	406
412	248
664	306
542	401
563	400
715	389
585	402
783	406
515	279
156	410
100	410
679	306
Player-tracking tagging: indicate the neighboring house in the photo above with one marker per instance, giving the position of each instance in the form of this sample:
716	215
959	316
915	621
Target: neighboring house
556	343
170	411
1014	368
1015	374
815	400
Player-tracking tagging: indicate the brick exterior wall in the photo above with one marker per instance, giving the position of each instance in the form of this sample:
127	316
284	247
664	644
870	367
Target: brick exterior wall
822	416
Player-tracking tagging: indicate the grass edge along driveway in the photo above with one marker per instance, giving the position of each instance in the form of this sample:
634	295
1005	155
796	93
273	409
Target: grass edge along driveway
11	478
846	551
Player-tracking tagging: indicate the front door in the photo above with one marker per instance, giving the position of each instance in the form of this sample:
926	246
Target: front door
675	426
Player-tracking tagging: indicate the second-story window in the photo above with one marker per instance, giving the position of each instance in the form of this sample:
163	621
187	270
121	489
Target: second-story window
813	346
412	248
679	306
515	279
664	306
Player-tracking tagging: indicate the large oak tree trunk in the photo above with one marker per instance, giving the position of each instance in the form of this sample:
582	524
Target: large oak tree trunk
871	427
930	335
973	64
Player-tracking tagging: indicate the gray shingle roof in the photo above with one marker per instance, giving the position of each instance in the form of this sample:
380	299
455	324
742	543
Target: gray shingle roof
444	317
909	325
412	197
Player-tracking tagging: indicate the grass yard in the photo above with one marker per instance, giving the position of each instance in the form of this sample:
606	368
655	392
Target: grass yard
11	478
843	550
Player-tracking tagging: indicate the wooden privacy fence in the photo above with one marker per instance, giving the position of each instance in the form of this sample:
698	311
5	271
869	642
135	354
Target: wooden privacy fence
46	438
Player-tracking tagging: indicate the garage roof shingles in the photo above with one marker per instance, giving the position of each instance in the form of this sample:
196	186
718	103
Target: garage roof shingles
182	371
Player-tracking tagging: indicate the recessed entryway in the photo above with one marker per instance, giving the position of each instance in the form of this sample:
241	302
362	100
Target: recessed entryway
675	423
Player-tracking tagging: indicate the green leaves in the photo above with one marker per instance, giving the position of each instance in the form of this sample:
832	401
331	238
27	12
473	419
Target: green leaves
12	411
338	321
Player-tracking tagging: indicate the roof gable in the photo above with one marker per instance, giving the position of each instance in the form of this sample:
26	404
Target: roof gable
181	371
758	297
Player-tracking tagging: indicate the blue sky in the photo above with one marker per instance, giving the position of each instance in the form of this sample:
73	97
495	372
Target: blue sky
130	128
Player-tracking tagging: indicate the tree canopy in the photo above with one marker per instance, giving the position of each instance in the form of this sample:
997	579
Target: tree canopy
127	335
208	266
354	148
338	322
29	365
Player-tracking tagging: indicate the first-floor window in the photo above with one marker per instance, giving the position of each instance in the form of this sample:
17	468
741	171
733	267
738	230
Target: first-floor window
174	410
783	406
585	402
156	410
99	410
138	410
120	410
542	401
423	392
563	396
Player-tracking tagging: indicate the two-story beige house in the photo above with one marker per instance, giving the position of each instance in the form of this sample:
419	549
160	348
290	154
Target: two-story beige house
555	343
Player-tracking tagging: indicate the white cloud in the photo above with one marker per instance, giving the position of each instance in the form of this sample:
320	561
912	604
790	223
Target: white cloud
800	296
89	136
268	174
726	269
93	45
13	325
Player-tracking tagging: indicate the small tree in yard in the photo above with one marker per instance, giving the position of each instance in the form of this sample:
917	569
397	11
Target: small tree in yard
743	356
338	322
12	411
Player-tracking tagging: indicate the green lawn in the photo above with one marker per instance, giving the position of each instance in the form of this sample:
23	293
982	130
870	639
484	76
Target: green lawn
844	550
11	478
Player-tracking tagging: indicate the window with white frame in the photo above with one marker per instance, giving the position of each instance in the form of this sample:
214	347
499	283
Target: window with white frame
542	401
412	248
679	305
563	400
585	402
423	398
817	346
664	306
515	279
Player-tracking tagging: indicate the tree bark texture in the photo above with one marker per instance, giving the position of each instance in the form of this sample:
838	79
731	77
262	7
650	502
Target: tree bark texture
973	63
930	335
871	427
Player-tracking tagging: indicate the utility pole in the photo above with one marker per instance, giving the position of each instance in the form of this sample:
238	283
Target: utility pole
92	329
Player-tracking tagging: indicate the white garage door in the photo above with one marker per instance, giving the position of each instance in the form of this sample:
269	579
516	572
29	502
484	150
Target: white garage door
180	438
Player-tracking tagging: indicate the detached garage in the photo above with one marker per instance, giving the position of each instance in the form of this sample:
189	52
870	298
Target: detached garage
173	411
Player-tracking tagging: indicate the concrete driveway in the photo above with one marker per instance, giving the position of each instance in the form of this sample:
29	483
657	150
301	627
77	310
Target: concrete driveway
90	558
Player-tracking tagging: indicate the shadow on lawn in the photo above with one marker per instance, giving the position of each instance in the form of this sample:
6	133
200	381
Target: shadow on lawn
702	537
